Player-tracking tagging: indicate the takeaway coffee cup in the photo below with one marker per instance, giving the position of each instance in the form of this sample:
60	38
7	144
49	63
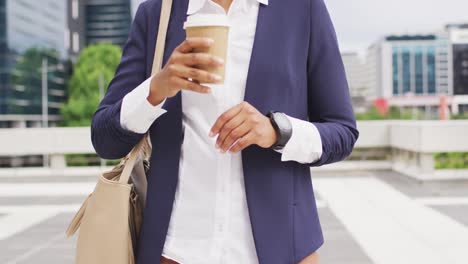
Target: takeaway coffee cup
215	27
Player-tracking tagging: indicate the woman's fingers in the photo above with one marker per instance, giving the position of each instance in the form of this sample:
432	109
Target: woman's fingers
243	143
226	135
226	117
183	65
190	44
199	76
185	84
197	59
234	135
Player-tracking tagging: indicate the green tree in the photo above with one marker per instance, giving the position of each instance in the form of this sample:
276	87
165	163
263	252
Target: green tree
394	113
461	116
95	62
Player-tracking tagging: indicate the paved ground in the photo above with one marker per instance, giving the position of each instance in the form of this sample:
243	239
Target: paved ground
367	217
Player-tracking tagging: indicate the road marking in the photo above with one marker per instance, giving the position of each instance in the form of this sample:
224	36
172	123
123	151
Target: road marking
428	201
45	189
391	227
63	208
17	222
37	249
20	218
442	201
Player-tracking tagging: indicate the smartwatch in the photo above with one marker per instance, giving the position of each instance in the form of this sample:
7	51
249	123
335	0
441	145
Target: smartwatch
283	128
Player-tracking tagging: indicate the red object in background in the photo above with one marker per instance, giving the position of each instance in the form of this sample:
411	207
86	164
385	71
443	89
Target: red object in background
443	108
381	104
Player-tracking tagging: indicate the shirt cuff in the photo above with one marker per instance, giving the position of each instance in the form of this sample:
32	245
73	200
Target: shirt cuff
305	144
137	114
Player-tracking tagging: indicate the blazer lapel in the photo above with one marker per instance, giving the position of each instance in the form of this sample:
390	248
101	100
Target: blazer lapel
253	91
256	86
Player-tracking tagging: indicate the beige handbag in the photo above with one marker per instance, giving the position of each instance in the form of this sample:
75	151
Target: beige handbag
110	218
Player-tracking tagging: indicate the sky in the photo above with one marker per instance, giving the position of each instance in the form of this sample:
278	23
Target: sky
359	23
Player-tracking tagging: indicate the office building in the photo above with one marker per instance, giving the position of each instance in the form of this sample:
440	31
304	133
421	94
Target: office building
410	65
31	31
355	74
411	70
458	34
416	71
97	21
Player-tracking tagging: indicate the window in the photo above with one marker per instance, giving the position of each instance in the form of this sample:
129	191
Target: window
395	71
431	70
66	38
406	67
75	9
107	22
76	42
418	70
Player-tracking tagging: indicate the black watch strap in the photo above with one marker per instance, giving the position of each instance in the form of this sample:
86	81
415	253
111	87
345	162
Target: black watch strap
283	128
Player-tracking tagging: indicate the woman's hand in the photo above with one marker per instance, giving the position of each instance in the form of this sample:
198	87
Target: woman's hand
242	126
180	67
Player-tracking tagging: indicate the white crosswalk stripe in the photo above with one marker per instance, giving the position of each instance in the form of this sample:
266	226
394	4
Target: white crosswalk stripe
391	227
19	221
18	218
45	189
442	201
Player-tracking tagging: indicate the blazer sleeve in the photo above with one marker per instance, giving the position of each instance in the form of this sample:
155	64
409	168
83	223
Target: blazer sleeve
109	138
329	103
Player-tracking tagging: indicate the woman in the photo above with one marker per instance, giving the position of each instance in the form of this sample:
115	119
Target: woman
229	180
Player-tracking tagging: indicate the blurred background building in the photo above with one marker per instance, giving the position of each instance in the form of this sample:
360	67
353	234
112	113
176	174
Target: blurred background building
97	21
38	40
458	34
414	71
356	73
31	34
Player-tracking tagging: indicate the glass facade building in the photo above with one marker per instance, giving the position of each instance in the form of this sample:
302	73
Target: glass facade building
3	51
31	31
419	65
97	21
460	69
417	71
108	21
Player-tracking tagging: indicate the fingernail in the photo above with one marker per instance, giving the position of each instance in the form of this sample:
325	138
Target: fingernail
217	146
216	77
207	90
212	134
219	61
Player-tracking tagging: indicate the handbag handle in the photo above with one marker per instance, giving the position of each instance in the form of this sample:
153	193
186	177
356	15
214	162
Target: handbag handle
157	65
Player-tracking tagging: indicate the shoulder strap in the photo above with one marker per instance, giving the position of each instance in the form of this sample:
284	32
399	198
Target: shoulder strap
157	65
161	39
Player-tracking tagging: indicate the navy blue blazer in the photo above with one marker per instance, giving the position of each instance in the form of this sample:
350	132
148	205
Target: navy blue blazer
295	68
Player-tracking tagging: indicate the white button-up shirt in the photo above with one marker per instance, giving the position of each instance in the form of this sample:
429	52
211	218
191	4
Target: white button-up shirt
210	220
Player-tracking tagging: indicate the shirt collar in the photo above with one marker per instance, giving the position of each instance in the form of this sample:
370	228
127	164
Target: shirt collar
195	5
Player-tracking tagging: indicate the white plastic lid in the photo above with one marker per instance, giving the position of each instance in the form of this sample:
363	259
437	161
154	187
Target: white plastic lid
207	20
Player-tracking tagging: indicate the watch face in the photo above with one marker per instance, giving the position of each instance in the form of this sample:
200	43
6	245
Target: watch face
282	122
283	127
